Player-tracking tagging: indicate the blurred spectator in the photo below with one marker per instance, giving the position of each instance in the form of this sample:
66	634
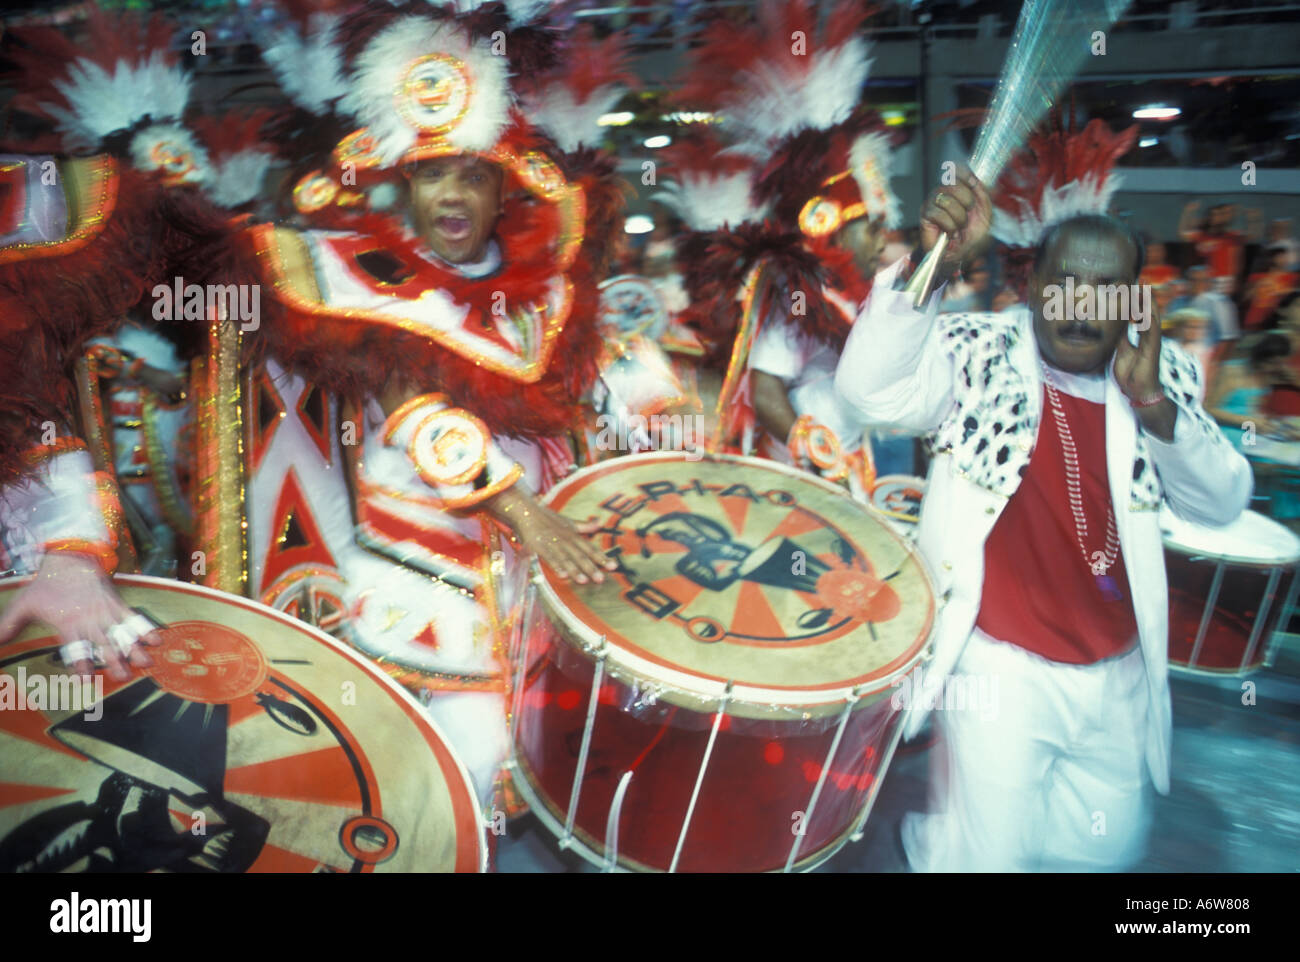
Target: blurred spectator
1218	244
1284	401
1221	311
1266	289
1279	235
1191	329
1175	295
1237	398
1005	299
974	292
1157	271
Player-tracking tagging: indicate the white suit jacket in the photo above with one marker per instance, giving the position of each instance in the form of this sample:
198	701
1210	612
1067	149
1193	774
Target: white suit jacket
974	381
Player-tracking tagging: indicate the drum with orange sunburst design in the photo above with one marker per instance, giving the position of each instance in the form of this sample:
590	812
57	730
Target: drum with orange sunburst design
723	701
253	743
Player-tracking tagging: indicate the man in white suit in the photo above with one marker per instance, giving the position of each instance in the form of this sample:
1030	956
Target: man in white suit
1057	434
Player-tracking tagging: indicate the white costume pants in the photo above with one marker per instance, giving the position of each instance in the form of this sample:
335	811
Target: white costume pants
1054	779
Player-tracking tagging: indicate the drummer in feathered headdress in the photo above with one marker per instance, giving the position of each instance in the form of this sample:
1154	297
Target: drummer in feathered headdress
447	286
115	208
794	210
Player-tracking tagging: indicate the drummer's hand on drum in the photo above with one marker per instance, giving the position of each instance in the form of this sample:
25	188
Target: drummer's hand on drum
556	540
72	595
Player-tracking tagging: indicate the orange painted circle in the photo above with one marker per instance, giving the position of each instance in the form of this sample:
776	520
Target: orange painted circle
206	662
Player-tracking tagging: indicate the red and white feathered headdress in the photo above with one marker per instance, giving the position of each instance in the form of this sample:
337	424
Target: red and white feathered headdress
788	96
1060	173
567	101
711	186
121	89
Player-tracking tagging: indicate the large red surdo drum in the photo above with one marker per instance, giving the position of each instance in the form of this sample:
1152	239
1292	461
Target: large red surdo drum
253	743
723	701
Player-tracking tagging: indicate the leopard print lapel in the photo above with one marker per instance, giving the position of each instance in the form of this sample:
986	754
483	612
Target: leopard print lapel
994	426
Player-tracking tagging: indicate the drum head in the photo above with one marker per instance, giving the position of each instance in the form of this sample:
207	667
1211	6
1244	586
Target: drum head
1252	539
745	571
253	743
899	496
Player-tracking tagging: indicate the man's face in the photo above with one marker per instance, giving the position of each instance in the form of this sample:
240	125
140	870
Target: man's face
1220	215
455	203
1201	282
864	239
1073	343
1155	253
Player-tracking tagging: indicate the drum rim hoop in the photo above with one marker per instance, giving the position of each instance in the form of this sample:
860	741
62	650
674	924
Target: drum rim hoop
1237	560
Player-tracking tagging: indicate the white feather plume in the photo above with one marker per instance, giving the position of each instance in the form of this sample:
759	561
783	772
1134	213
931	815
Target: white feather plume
381	67
870	161
309	67
569	123
237	178
100	103
775	108
708	201
1089	195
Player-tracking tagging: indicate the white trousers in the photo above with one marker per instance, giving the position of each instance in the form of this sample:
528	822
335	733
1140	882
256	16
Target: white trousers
1053	779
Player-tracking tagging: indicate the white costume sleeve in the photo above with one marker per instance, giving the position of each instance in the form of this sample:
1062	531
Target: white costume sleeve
778	349
65	506
894	370
1205	479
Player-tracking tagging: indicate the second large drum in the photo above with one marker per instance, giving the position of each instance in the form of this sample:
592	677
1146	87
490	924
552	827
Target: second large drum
723	702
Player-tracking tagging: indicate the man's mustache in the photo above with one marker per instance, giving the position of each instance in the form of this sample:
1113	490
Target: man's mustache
1077	329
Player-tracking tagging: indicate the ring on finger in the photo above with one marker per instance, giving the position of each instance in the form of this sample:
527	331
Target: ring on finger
122	637
75	651
138	625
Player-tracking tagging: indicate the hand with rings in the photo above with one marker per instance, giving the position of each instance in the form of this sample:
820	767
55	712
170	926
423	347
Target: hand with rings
72	595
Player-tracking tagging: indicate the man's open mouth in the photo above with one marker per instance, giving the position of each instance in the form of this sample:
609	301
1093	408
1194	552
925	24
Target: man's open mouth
454	227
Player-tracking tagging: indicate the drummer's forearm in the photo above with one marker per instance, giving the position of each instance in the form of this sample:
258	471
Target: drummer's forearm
511	507
772	405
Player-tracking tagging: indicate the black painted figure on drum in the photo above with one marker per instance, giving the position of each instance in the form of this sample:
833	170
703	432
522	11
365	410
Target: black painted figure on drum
1058	430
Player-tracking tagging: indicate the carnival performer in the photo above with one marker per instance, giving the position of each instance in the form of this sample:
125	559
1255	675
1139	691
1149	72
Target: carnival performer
105	209
434	346
799	249
1057	436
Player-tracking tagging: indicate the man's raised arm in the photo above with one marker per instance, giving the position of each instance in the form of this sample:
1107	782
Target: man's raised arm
894	369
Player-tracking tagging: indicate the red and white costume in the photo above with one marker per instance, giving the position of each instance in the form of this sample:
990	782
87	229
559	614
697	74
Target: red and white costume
769	286
372	524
